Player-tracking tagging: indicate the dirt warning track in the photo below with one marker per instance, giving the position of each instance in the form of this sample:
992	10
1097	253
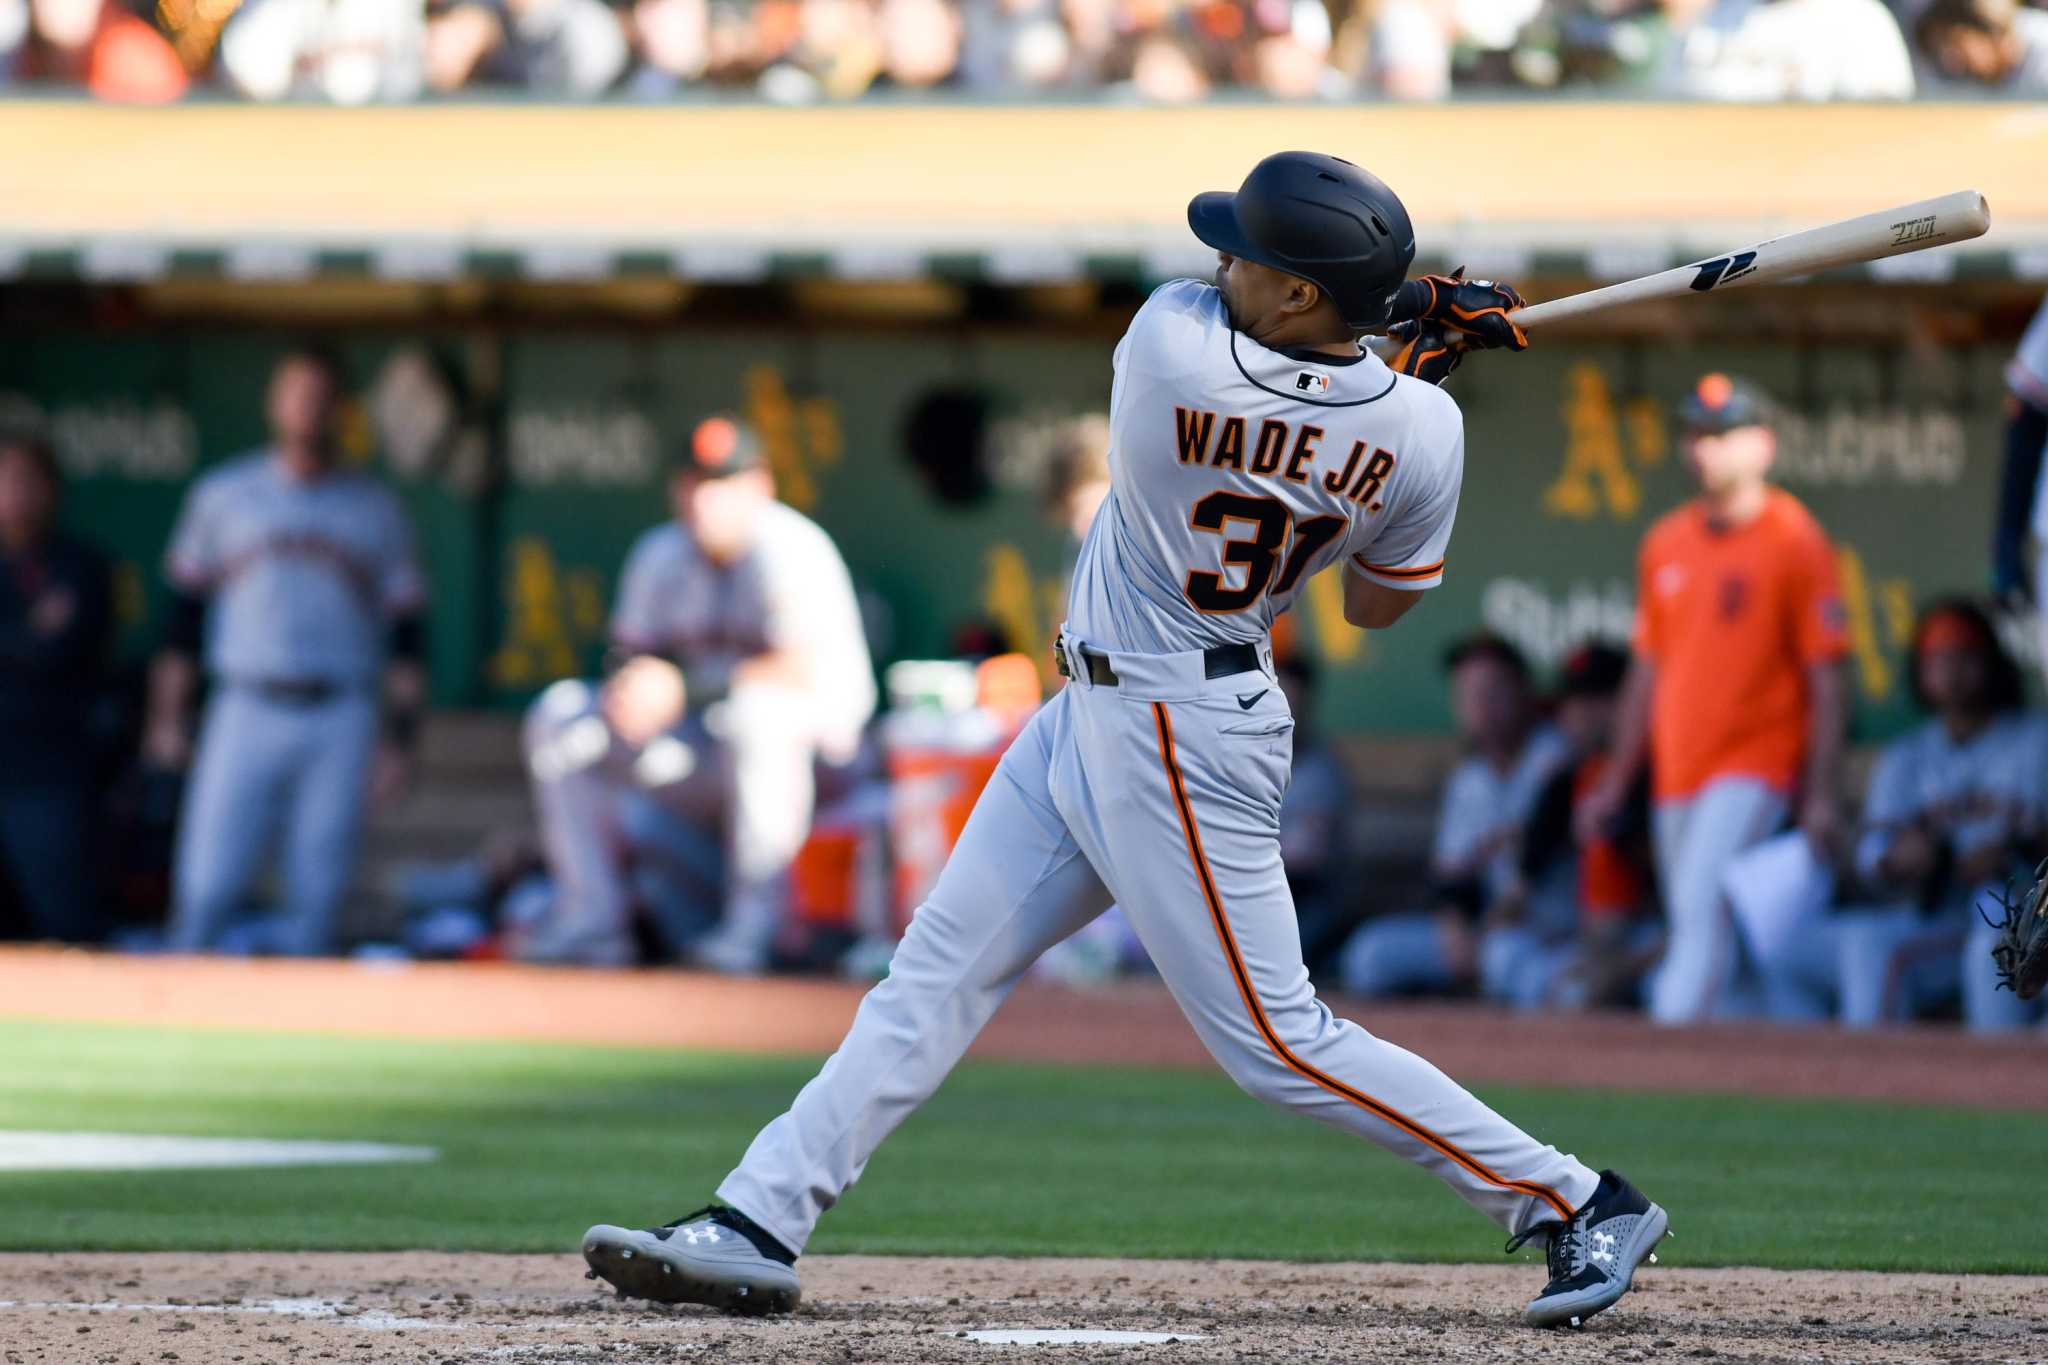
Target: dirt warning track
1130	1022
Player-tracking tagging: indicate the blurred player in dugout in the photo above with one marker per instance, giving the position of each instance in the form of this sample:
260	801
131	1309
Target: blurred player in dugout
296	582
1735	695
55	626
739	663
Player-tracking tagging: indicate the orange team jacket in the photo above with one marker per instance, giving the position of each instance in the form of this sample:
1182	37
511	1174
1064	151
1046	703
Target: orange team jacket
1732	619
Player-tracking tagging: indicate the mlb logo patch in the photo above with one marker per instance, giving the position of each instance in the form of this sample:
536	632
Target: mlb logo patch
1312	382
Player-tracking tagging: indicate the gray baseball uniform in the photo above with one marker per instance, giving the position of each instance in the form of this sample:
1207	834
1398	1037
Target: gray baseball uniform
304	580
1237	472
744	763
1877	963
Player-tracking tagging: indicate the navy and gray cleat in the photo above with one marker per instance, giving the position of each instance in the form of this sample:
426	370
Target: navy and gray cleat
715	1256
1593	1255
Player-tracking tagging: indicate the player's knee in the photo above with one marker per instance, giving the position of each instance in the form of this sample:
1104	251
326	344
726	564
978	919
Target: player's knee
556	722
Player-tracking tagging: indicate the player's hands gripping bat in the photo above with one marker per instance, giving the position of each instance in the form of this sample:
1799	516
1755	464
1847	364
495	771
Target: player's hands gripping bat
1427	350
2021	953
1475	309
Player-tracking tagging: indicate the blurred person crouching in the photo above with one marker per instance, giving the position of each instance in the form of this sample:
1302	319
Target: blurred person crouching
1511	755
1954	810
55	615
1573	930
573	49
298	584
96	44
1997	45
345	51
741	665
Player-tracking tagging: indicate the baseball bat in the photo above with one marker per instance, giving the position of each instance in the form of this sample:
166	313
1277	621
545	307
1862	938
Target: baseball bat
1893	232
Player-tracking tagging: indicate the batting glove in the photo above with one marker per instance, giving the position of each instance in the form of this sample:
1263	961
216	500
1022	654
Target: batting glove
1476	309
1427	351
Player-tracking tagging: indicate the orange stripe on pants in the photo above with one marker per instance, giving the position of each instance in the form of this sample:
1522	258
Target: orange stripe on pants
1265	1027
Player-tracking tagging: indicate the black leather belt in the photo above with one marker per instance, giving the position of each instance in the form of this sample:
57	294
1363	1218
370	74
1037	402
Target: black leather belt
1218	661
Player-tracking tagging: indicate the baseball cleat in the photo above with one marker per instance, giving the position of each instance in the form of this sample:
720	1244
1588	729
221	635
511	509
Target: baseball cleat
715	1256
1593	1255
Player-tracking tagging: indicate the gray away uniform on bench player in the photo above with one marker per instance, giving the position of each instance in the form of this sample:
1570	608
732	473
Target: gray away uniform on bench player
304	581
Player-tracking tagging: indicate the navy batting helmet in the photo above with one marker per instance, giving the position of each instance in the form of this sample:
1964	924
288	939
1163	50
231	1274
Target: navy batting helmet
1319	218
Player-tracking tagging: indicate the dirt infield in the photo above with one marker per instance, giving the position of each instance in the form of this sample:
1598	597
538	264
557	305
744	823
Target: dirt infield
1135	1023
255	1310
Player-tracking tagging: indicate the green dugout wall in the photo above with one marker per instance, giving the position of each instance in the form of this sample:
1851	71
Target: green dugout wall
528	500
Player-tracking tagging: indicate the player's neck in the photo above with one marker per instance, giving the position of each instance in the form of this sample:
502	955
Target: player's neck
1738	506
302	464
1299	335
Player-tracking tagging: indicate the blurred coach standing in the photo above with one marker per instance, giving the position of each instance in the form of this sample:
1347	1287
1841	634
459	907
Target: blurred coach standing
741	661
1735	691
54	620
304	582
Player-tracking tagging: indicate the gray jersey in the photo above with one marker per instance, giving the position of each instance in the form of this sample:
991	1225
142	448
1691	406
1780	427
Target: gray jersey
1238	472
1484	810
790	591
1976	793
305	577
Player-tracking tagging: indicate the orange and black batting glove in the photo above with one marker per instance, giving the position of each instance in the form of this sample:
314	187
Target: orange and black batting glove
1428	351
1476	309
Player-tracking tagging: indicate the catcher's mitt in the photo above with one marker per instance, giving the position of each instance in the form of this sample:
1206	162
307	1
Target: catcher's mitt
2021	952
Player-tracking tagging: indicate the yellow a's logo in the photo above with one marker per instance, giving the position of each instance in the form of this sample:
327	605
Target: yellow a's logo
1599	437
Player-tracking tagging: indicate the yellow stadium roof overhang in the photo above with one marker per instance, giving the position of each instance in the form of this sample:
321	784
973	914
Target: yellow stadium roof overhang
1007	194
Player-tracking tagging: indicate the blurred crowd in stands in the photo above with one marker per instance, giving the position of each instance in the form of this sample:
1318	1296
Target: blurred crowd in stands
1147	51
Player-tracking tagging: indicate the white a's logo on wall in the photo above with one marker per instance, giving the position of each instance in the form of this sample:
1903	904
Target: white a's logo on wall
1314	383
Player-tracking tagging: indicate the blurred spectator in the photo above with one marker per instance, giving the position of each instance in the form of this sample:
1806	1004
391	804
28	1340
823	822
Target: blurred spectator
1735	696
91	43
1955	808
1572	930
1996	44
298	582
1312	821
673	40
1722	49
347	51
1411	49
565	48
1511	757
742	665
54	630
1784	50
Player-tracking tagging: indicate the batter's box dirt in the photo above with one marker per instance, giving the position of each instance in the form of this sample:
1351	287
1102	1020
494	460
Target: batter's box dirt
439	1309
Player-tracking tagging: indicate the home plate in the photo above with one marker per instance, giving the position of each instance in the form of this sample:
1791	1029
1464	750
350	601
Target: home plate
1034	1336
150	1152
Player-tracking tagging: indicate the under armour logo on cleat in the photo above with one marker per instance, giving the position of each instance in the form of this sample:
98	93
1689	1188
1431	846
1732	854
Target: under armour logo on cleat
700	1232
1603	1247
1246	703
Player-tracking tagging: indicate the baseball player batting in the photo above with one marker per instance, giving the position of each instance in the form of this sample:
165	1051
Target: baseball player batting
1254	443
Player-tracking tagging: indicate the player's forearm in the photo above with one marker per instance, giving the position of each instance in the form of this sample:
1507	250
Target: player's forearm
1828	699
788	668
1632	720
173	678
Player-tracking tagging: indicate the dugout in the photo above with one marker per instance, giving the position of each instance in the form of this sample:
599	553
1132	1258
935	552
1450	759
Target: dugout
535	300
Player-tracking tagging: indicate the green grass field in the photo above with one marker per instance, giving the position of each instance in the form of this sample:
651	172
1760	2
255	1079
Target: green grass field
539	1141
